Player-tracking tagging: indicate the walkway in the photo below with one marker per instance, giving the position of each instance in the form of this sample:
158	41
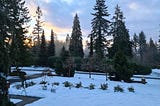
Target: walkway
25	99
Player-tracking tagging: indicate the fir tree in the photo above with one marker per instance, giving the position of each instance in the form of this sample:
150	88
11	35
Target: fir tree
121	40
37	31
19	17
142	46
100	28
135	43
51	47
75	46
90	46
14	16
67	42
64	54
43	52
152	53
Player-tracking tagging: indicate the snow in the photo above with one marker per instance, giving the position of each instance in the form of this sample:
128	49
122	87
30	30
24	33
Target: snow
145	94
15	100
156	72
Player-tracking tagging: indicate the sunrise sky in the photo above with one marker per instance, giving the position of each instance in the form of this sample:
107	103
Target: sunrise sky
58	15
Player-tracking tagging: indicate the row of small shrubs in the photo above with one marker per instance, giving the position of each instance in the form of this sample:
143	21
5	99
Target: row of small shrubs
104	86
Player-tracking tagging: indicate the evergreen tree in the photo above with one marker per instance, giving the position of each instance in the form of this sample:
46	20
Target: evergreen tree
19	17
75	46
14	16
43	52
91	45
135	43
64	54
121	66
100	28
37	31
121	40
152	53
142	46
51	47
67	42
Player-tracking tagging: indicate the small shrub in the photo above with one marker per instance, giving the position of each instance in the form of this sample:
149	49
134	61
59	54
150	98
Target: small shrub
31	83
118	89
67	84
131	89
91	86
104	86
143	80
44	87
78	85
18	86
55	83
43	82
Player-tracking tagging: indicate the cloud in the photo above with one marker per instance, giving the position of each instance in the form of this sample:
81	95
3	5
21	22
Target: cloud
133	6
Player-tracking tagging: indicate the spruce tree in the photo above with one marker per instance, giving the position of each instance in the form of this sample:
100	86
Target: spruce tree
152	53
75	46
135	43
14	16
142	46
121	39
100	28
19	17
43	52
91	46
64	54
51	47
37	31
67	42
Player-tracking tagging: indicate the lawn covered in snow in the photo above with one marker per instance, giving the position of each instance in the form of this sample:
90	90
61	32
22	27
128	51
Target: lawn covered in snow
145	95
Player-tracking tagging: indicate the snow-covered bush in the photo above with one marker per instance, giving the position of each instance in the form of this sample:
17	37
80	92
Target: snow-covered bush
78	85
91	86
43	82
31	83
104	86
55	83
131	89
118	88
67	84
143	80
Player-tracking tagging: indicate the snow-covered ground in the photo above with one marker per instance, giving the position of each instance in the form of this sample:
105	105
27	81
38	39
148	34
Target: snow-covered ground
145	95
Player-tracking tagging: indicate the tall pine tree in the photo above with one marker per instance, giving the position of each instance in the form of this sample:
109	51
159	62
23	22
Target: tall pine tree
121	39
142	46
37	31
135	43
18	50
51	47
100	28
75	46
14	16
43	51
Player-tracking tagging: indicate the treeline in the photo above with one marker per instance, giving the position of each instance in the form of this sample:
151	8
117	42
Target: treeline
111	49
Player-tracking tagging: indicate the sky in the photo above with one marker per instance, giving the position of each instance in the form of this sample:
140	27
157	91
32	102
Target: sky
58	15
